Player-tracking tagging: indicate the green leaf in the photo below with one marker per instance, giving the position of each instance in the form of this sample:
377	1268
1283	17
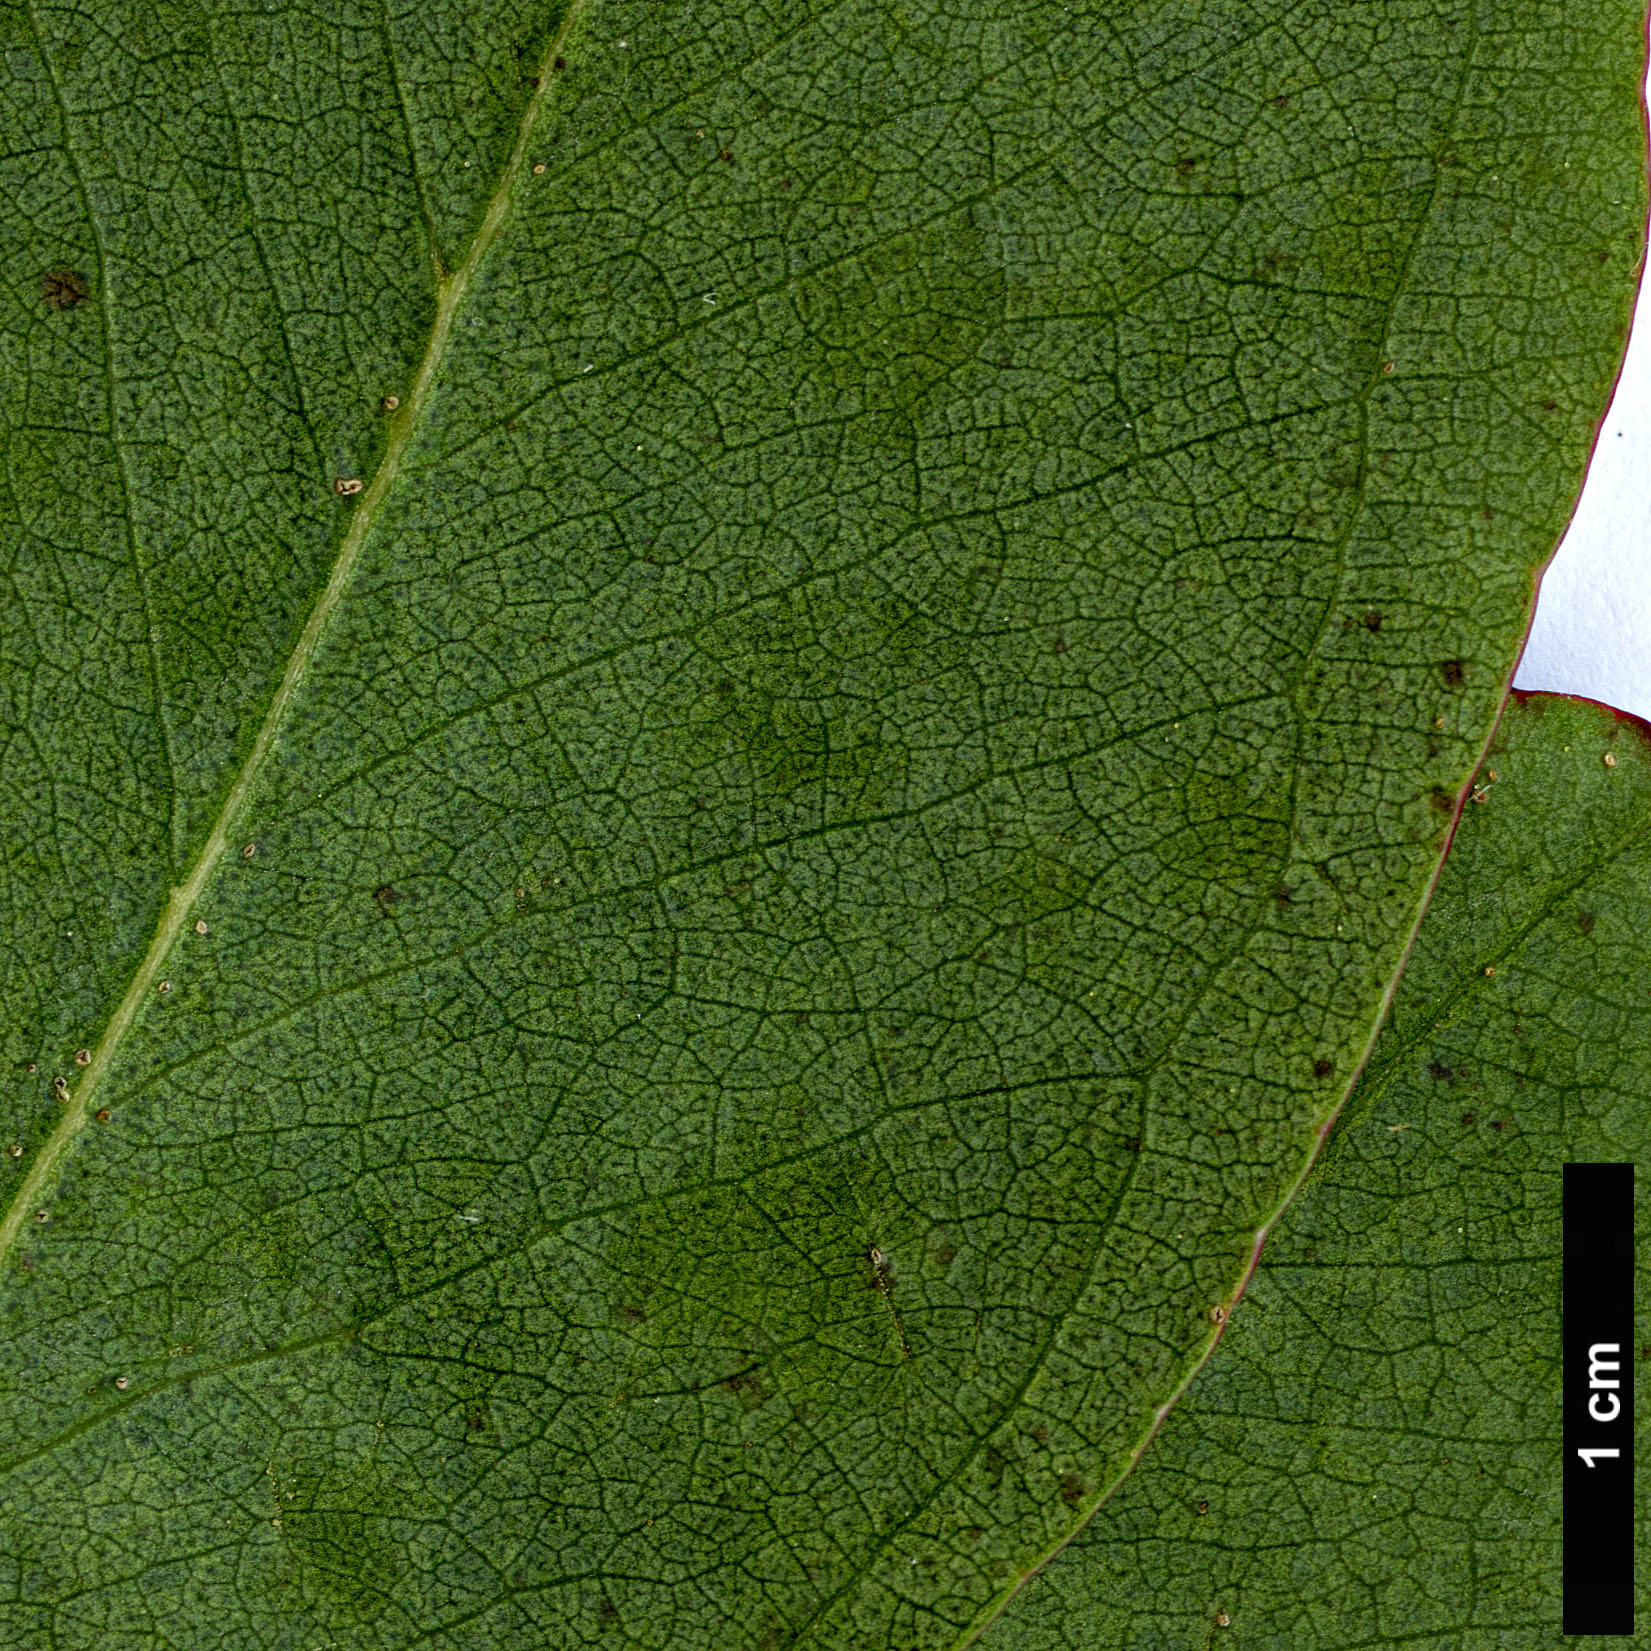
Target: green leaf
689	998
1373	1456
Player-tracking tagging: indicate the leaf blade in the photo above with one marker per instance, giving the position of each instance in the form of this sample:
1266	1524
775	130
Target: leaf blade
1405	1341
881	640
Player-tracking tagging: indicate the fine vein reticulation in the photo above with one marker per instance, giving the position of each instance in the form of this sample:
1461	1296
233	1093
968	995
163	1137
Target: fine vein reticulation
738	949
181	901
1401	1334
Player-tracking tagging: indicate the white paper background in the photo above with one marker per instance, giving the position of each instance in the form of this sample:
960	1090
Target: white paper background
1592	633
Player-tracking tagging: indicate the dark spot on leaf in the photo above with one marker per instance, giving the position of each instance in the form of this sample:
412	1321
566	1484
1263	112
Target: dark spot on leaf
1550	406
748	1388
1444	802
1322	1068
1439	1072
1072	1488
632	1315
1470	1118
725	154
1200	1506
1454	673
1133	1144
1372	620
64	289
560	63
1281	897
1585	921
945	1255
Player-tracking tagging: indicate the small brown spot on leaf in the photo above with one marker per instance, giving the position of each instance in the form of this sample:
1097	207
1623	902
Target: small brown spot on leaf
1372	620
64	289
1322	1068
1585	921
1454	673
747	1387
83	1057
1072	1488
103	1114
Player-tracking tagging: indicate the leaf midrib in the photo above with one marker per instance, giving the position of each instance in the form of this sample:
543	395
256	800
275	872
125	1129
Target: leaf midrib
450	297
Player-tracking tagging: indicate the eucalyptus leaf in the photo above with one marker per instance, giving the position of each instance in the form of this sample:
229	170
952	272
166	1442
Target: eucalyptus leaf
1373	1456
722	727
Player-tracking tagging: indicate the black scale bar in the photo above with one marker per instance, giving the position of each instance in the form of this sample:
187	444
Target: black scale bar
1598	1347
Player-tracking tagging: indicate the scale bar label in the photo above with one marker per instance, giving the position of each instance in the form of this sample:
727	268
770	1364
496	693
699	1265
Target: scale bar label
1598	1351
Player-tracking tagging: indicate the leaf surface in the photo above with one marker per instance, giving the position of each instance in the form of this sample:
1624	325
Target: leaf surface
686	1000
1373	1455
